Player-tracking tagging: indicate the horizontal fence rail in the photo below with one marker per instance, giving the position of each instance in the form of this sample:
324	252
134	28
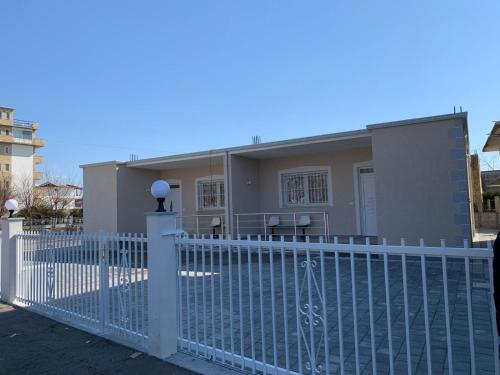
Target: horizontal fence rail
288	224
202	224
270	306
96	282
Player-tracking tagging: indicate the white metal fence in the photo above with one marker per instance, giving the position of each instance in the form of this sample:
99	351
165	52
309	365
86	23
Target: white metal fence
96	282
293	307
271	306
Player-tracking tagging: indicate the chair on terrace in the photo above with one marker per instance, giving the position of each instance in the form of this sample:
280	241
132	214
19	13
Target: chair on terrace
303	223
274	221
215	223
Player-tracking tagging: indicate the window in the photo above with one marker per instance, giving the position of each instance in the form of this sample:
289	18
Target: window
8	115
27	134
6	149
210	193
305	187
7	167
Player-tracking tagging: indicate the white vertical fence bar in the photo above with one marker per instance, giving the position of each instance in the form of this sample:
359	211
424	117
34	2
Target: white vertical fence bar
250	293
240	303
261	303
406	308
426	311
297	307
231	314
493	310
273	303
221	300
444	266
469	316
339	313
310	311
354	309
285	302
370	305
388	309
324	311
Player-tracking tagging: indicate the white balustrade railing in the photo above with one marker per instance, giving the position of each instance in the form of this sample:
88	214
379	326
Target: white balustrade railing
281	307
202	224
97	282
313	224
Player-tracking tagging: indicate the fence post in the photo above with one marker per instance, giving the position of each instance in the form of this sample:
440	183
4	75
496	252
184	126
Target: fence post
10	227
162	284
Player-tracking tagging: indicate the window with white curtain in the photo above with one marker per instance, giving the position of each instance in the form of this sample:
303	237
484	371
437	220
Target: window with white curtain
210	193
305	187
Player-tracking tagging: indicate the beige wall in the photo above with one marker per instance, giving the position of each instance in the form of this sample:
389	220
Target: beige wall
245	184
100	209
342	216
421	182
134	198
187	177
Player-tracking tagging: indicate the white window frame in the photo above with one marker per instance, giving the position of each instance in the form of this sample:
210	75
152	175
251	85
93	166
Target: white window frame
308	169
216	178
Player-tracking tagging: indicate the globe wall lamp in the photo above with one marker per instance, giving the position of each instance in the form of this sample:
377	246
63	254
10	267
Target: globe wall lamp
160	190
11	205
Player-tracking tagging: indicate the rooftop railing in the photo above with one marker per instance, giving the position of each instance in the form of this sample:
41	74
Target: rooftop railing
23	123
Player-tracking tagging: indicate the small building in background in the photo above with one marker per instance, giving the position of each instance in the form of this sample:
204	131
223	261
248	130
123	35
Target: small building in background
490	180
60	196
18	147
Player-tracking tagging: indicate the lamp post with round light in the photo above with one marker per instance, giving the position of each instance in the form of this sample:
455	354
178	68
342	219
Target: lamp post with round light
11	205
160	190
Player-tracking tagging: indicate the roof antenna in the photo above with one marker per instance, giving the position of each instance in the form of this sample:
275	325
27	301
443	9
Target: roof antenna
454	110
460	108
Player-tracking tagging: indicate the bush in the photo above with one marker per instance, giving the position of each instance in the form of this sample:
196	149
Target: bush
76	212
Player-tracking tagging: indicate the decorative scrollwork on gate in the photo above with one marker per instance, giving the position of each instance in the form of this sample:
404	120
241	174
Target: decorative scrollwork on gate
123	285
50	274
311	311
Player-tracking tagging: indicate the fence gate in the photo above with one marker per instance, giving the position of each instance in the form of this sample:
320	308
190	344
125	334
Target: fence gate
279	307
95	282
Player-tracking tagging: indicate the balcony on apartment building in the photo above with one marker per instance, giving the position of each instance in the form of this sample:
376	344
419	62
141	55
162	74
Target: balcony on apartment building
23	140
34	125
37	176
37	159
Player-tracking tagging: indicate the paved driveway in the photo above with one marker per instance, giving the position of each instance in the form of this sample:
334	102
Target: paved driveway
32	344
204	324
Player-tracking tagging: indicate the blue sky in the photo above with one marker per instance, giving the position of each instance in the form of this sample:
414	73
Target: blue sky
110	78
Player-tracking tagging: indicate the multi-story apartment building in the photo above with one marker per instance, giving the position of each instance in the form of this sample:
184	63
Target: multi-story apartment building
18	145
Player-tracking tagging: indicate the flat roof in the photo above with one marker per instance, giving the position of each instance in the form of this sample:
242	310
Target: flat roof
493	141
419	120
245	149
240	149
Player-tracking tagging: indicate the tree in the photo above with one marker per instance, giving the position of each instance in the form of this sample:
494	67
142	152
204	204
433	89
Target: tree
58	193
6	192
27	196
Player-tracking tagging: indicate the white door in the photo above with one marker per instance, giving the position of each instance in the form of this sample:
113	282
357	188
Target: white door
367	201
173	202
